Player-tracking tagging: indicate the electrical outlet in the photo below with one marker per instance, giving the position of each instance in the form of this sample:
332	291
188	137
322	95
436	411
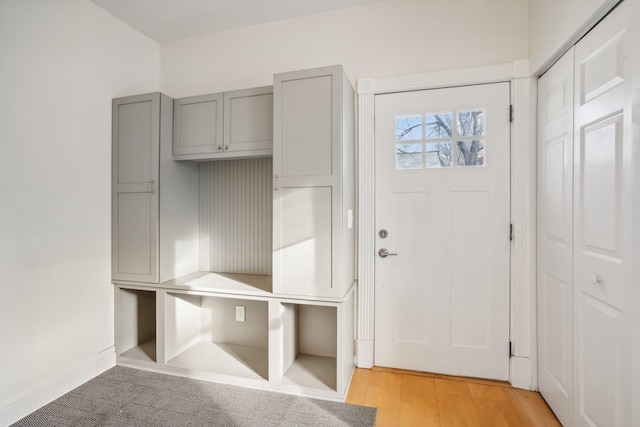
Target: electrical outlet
240	313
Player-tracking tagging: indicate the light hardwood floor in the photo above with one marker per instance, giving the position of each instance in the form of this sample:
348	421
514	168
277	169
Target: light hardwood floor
406	398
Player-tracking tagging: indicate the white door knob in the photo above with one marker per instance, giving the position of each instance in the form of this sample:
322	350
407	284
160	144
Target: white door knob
595	279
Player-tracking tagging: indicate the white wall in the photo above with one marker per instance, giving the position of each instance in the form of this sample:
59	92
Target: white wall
382	39
553	23
61	63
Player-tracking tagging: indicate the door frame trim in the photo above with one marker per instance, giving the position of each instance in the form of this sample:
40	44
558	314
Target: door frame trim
523	362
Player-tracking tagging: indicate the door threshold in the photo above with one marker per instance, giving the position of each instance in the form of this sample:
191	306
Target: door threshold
442	376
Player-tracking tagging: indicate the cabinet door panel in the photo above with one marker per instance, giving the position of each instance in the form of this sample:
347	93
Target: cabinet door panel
248	120
302	256
197	126
135	234
135	139
306	123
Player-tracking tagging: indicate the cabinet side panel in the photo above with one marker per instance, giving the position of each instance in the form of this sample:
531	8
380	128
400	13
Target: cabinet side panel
346	335
290	337
348	213
179	183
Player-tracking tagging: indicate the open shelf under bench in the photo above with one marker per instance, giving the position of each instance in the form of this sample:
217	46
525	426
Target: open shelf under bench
187	326
226	359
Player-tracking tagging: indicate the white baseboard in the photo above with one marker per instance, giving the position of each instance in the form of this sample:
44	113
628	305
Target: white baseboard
364	354
521	373
87	370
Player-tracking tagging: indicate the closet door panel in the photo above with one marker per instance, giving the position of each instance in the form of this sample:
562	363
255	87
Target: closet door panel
599	234
555	223
600	382
602	224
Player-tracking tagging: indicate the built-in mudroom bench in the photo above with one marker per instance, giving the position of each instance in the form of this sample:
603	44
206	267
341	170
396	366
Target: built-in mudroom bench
230	263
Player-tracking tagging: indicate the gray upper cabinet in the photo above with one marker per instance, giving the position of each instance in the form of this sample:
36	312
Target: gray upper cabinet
314	183
154	199
248	121
224	126
198	126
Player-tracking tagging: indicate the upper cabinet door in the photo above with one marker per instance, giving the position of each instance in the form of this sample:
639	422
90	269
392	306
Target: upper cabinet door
197	126
248	121
307	130
555	237
136	127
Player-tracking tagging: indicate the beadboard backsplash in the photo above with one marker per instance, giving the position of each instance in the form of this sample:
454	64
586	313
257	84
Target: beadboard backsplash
236	204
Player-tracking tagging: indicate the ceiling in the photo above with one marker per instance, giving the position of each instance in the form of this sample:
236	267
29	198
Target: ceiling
167	20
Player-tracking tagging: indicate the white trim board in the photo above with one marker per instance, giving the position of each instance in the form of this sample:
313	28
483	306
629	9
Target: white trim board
523	203
84	372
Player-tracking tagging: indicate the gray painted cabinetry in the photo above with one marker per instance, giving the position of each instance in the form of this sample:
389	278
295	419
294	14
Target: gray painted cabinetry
295	335
224	125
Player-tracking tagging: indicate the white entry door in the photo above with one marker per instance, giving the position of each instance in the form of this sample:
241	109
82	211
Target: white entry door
442	225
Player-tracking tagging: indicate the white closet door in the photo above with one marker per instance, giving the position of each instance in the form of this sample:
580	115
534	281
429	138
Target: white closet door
602	223
555	232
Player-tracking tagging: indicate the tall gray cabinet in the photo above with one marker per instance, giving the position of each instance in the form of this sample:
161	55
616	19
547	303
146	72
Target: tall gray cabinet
314	183
154	199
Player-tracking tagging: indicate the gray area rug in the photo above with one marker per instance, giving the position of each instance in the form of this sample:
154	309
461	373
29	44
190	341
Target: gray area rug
131	397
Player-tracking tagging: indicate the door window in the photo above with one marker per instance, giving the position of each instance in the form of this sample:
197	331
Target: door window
426	141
